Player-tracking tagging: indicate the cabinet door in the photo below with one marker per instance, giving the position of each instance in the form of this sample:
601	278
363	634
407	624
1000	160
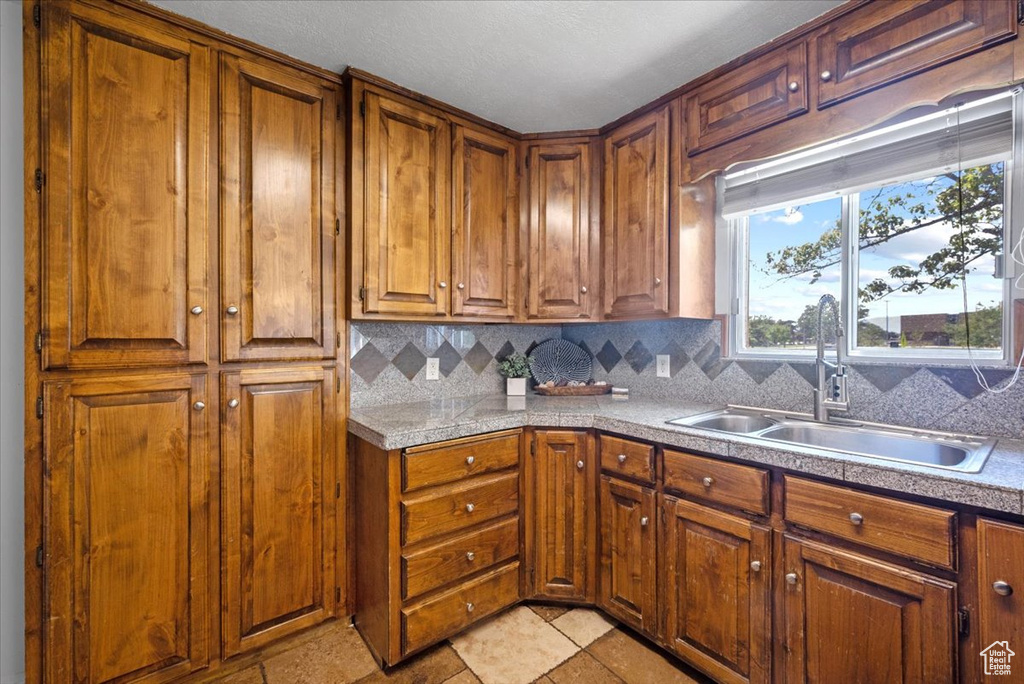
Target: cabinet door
561	526
849	618
484	224
717	591
277	213
279	500
124	224
636	217
559	257
628	530
882	42
1000	589
126	492
762	92
406	229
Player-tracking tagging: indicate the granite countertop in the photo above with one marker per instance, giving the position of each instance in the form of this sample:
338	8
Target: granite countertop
999	486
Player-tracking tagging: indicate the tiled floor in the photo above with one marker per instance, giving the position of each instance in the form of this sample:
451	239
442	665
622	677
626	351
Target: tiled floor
535	643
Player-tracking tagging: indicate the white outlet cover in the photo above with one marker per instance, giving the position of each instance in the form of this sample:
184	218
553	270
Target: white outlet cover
433	369
663	366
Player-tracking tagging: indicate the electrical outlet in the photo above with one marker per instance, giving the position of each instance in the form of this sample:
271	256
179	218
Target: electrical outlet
433	369
663	366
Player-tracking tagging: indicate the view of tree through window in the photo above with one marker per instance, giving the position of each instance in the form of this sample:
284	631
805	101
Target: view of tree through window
913	246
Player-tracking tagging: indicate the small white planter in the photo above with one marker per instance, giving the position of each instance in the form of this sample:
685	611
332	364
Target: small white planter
515	387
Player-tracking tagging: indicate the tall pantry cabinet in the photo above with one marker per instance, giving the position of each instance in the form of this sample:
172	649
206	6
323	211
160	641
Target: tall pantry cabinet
181	254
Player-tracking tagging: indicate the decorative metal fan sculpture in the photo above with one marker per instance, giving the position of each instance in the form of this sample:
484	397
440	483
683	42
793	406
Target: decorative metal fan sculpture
560	361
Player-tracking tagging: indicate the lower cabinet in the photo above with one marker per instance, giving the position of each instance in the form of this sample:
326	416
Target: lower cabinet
850	618
717	591
628	584
1000	598
126	486
561	525
278	503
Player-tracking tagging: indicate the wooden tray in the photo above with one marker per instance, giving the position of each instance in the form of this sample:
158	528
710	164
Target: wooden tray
578	391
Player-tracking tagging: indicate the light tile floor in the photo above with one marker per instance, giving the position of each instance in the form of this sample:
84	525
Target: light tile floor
532	643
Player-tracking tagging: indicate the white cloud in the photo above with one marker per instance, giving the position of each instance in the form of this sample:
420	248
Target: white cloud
914	246
790	217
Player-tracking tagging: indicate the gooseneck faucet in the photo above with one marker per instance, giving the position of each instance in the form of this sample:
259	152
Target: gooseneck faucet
831	392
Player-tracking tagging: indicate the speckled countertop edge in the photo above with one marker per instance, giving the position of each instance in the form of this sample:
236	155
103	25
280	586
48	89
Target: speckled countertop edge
999	486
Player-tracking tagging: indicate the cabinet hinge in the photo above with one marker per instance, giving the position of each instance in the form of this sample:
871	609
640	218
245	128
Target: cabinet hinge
39	407
337	594
362	292
39	180
339	340
337	226
337	490
337	112
526	161
362	108
39	342
963	622
39	549
533	447
37	15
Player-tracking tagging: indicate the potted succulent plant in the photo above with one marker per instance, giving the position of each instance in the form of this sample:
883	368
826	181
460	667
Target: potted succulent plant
516	369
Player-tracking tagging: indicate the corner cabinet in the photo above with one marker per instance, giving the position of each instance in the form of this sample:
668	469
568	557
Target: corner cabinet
636	192
628	584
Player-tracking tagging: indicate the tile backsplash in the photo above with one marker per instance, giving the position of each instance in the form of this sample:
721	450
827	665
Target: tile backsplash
388	363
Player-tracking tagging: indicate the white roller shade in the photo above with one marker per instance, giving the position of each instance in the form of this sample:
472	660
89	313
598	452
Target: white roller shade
921	146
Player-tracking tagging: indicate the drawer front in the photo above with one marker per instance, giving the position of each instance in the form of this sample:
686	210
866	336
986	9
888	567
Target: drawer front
453	611
434	567
627	458
459	506
454	461
729	484
907	529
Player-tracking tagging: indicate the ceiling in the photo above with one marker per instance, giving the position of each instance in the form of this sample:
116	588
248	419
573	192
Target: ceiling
534	65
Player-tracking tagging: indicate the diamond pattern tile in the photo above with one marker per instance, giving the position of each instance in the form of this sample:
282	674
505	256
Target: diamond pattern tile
709	360
608	356
807	371
885	377
759	370
368	363
506	350
677	357
447	358
964	381
639	357
410	360
478	357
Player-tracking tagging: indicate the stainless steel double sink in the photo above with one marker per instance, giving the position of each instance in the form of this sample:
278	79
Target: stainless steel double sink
921	447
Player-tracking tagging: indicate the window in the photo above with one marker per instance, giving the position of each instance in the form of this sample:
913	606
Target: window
904	226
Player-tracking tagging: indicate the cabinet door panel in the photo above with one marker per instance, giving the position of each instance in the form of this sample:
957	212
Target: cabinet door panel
1000	586
636	217
484	225
561	506
718	591
853	619
883	42
560	281
278	503
628	584
277	256
124	257
127	508
406	233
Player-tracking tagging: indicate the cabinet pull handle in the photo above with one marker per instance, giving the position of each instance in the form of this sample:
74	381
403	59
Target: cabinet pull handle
579	465
233	403
470	508
793	86
856	518
470	555
442	284
196	310
708	481
644	521
622	458
755	566
657	281
461	286
470	460
232	310
470	607
1002	588
826	75
583	289
199	406
791	578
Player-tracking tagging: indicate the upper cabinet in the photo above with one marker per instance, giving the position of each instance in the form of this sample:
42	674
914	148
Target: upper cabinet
636	162
762	92
125	133
485	224
406	234
885	41
560	236
277	212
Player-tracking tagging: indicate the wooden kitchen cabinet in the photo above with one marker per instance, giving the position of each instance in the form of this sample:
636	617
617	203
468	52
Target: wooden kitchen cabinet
406	233
1000	588
628	548
850	618
126	547
126	129
758	94
883	42
561	237
485	224
277	130
717	591
279	489
636	159
561	525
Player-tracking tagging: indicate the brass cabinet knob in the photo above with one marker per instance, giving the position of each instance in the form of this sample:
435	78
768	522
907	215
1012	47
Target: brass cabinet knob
657	281
791	578
583	289
461	286
793	86
196	310
442	284
470	508
232	310
826	75
622	458
708	481
755	566
233	403
643	521
856	518
199	406
470	607
1002	588
579	465
470	555
470	460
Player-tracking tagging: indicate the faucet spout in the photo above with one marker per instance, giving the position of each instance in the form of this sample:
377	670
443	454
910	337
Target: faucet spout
831	391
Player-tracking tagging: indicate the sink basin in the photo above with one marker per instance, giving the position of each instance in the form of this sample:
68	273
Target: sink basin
921	447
